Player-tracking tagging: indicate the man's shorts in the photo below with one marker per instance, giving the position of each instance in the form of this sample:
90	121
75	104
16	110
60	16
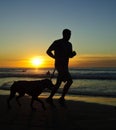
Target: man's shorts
64	76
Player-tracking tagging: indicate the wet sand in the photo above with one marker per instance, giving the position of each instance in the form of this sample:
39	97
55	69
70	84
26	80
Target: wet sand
78	115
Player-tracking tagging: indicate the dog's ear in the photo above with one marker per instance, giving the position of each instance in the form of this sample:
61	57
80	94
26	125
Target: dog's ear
49	75
52	75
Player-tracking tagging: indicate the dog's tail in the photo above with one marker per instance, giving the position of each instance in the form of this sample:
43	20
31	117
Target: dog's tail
12	89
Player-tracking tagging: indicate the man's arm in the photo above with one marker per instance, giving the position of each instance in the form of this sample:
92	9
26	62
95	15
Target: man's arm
50	51
72	53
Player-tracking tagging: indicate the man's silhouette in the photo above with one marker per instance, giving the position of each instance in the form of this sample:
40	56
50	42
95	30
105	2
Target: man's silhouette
61	51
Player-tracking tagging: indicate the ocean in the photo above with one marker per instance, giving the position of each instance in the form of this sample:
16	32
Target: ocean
86	81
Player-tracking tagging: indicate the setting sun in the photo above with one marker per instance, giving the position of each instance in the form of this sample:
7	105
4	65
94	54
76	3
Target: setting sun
37	61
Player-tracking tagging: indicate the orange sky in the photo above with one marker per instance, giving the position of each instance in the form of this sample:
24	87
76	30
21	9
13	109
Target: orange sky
77	61
28	28
95	61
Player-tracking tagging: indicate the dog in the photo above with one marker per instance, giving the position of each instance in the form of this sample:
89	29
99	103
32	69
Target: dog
32	88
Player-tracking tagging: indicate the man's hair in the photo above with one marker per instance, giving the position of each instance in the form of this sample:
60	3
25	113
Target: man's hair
66	31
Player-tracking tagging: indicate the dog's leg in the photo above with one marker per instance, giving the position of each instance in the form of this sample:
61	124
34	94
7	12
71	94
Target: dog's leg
36	98
42	103
8	100
17	99
32	101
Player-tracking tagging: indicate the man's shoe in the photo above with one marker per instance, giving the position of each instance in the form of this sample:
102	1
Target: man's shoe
62	102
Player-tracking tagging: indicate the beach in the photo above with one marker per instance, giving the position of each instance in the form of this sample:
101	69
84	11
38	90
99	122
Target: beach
79	114
90	102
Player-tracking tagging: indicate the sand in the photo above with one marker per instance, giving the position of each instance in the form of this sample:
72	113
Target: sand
78	115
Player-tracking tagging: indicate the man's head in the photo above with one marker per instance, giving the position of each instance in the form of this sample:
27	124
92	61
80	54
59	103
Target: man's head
66	34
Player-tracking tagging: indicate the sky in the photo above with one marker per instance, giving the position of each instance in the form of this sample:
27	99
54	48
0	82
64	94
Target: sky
29	27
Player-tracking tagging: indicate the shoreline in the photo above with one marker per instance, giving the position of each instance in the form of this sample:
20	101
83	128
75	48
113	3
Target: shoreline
86	98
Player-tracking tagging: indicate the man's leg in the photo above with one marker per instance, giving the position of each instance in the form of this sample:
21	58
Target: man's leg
58	83
49	99
66	88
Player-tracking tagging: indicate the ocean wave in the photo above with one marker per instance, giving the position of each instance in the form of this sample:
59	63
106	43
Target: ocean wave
106	88
73	91
111	76
80	73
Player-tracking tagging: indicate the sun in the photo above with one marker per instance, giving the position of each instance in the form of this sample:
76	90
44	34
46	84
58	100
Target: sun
37	61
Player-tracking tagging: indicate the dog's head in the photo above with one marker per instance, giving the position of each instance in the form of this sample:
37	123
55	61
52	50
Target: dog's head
48	84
